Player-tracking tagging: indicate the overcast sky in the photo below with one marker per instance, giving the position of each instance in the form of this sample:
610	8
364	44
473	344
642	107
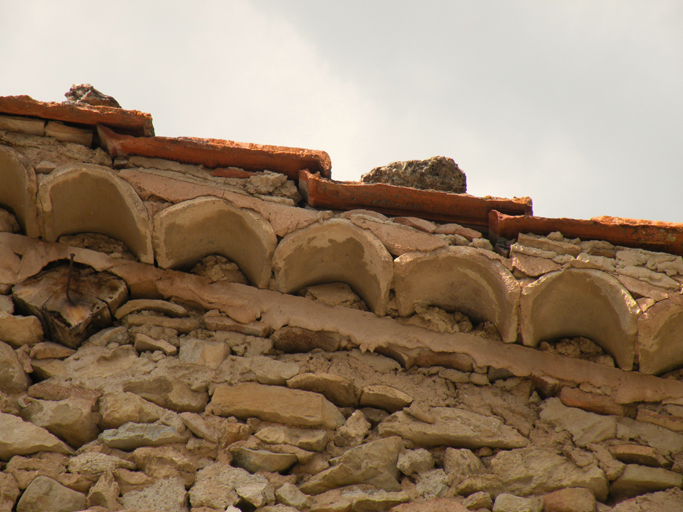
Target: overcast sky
578	104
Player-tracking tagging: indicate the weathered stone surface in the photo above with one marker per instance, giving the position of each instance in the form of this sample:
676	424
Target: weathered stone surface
460	464
23	438
160	306
119	408
384	397
371	463
66	133
533	266
336	389
584	260
659	344
47	494
577	302
134	435
49	350
535	471
23	125
143	343
163	462
667	421
182	325
304	438
13	379
71	420
585	427
104	493
636	454
6	304
436	173
662	439
290	495
511	503
167	495
453	427
20	330
637	480
400	239
9	492
433	505
188	231
569	500
168	392
353	431
334	294
95	464
131	480
461	279
204	352
601	404
478	500
220	485
335	251
546	244
432	484
261	460
670	500
214	321
19	189
274	403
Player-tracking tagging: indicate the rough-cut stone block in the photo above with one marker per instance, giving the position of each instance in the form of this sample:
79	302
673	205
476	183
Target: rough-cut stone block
22	438
186	232
275	403
19	189
261	460
169	392
134	435
585	427
220	485
399	239
71	419
218	322
637	480
79	198
660	343
636	454
9	492
462	279
577	302
432	505
453	427
384	397
167	495
335	251
511	503
569	500
23	125
47	494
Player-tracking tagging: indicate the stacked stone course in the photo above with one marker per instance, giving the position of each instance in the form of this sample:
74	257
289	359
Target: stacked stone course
212	345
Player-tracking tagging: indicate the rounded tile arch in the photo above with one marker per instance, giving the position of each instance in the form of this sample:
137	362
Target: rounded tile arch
581	302
186	232
335	251
462	279
660	337
82	198
18	189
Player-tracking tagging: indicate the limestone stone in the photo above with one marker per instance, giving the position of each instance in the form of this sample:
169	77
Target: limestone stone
546	244
353	431
22	438
376	361
290	495
23	125
167	495
95	463
636	454
50	350
584	260
119	408
261	460
433	505
6	304
478	500
373	501
372	463
18	331
163	462
485	288
335	251
71	420
461	464
511	503
670	500
134	435
432	483
334	294
271	371
66	133
182	325
168	392
534	470
436	173
533	266
110	335
275	403
638	479
601	404
143	343
204	352
569	500
47	494
399	239
19	188
609	465
219	486
671	422
78	198
519	249
199	426
658	346
104	493
9	492
578	302
215	321
160	306
585	427
453	427
131	480
637	287
13	379
457	229
661	439
414	222
384	397
650	277
304	438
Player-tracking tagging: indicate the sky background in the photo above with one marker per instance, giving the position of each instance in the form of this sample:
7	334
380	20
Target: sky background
578	105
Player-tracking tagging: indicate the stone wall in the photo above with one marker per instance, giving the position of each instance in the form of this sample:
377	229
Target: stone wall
175	337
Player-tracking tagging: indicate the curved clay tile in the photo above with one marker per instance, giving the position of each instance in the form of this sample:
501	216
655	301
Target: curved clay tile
462	279
18	189
335	251
581	302
82	198
188	231
660	337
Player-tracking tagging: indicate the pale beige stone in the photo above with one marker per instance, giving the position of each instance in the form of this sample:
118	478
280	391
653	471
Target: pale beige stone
186	232
533	266
182	325
72	419
167	495
637	480
335	251
660	337
160	306
50	350
304	438
204	352
66	133
415	461
22	438
275	403
570	500
638	287
353	431
130	436
47	494
400	239
13	379
261	460
581	302
585	427
221	485
585	260
534	252
19	189
20	330
547	244
290	495
462	279
104	493
511	503
334	294
22	125
215	321
649	276
163	462
95	463
166	390
384	397
119	408
336	389
142	343
78	198
9	492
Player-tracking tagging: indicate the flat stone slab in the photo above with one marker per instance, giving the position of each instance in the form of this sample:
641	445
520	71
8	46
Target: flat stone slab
453	427
637	480
134	435
161	306
20	437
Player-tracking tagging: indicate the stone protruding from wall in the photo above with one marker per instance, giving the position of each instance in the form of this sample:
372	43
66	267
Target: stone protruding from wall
18	189
461	279
335	251
86	198
660	344
581	302
188	231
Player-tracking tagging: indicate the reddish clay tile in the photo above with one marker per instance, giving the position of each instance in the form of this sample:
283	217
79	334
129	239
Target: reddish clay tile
125	121
400	201
645	234
219	153
231	172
